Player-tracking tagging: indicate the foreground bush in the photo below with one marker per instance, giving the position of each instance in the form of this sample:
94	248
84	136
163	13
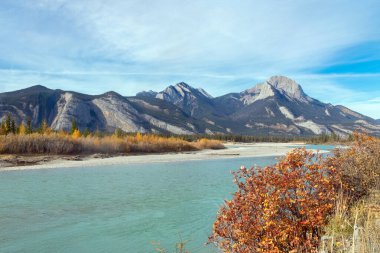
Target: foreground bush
280	208
359	164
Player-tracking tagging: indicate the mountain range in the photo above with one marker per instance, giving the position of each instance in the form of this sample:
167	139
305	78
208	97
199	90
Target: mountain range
278	106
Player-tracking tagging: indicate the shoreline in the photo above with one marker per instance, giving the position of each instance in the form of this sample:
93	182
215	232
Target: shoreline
232	150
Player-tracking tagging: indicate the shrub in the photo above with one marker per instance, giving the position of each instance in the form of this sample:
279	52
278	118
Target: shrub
359	165
358	207
39	144
208	144
280	208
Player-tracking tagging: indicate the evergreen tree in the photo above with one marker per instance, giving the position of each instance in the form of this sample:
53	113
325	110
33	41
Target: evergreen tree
119	133
29	128
98	133
44	127
73	126
86	132
7	125
13	127
2	128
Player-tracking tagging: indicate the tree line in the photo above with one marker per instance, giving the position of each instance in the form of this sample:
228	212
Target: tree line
9	126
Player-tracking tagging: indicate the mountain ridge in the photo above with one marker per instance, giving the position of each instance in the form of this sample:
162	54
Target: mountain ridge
277	106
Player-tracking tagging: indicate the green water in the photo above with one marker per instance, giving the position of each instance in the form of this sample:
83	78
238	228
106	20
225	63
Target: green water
116	208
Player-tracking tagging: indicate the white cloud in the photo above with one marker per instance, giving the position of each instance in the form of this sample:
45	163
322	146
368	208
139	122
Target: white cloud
223	46
368	108
184	36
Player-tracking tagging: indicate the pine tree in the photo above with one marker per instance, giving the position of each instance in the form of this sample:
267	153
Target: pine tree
13	127
86	132
29	128
119	133
44	127
73	126
7	125
2	128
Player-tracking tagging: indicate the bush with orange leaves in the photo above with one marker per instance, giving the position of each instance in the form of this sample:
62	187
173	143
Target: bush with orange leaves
280	208
359	165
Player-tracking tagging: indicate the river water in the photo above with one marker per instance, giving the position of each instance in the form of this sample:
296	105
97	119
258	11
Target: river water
121	208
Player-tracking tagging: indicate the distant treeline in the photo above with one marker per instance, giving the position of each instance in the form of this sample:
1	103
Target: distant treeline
323	138
8	126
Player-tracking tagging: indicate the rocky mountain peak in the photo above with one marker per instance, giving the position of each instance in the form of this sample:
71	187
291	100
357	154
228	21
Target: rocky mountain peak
189	99
288	87
112	94
275	85
258	92
184	85
35	89
148	93
180	91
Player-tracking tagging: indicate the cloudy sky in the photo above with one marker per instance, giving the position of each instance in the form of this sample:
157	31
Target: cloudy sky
332	48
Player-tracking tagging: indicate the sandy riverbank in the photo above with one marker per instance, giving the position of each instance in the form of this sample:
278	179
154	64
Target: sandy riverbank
233	150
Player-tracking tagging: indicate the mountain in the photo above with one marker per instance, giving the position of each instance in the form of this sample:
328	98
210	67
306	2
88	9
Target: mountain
195	102
278	106
104	112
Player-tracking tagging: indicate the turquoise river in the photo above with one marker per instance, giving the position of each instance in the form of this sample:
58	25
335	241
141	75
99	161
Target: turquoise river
121	208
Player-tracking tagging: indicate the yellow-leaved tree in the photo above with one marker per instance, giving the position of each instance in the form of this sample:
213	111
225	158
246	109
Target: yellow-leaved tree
22	129
76	134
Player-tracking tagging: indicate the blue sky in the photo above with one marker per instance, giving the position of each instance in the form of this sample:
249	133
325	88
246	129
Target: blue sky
332	48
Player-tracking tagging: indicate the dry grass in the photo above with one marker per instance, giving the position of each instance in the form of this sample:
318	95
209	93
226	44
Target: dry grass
64	144
39	144
354	229
355	226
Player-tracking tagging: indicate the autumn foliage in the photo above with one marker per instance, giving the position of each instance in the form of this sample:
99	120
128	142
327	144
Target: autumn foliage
280	208
359	164
63	143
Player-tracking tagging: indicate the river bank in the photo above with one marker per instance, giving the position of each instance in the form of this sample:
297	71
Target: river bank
13	162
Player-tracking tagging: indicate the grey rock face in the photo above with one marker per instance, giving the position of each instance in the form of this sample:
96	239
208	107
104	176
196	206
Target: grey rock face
118	113
69	107
289	88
